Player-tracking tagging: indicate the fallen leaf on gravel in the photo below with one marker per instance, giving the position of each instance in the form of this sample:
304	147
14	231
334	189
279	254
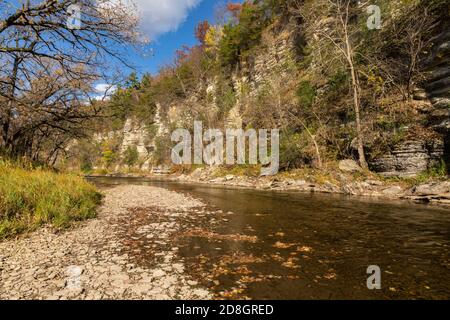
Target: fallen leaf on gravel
281	245
304	249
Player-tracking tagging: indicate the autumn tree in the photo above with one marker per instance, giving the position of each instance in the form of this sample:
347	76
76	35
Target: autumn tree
335	40
51	110
50	65
400	48
201	31
234	9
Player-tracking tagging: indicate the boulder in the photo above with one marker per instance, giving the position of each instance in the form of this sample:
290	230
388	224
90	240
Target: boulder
420	94
197	173
229	177
218	180
436	188
349	166
393	191
432	192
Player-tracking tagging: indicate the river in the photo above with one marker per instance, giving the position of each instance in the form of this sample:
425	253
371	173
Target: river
287	245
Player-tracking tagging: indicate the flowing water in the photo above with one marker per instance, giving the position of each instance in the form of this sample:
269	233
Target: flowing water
287	245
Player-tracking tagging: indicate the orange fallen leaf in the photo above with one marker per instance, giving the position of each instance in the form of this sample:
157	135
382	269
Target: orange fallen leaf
281	245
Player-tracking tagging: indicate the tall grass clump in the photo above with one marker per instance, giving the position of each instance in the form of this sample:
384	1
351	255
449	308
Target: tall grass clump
31	197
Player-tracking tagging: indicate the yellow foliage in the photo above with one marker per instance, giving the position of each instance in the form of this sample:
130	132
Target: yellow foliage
212	39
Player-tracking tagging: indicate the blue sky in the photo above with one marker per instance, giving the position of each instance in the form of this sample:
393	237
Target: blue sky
170	28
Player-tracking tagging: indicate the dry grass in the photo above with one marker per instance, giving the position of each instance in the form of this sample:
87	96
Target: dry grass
31	197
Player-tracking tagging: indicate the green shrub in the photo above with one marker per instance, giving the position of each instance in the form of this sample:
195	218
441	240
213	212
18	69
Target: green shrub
229	46
437	171
239	38
306	94
31	197
225	97
108	157
131	156
292	153
339	81
162	149
86	166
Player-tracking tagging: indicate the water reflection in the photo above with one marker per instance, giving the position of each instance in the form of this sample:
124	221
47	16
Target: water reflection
316	246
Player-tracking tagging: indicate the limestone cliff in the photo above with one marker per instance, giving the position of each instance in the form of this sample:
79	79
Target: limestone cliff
279	49
417	155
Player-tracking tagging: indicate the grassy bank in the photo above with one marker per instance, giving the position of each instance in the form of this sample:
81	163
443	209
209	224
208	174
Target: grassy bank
31	197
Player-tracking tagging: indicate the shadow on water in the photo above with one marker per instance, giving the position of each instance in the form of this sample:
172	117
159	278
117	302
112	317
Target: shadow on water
313	246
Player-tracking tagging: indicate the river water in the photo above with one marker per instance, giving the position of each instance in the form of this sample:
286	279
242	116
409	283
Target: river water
288	245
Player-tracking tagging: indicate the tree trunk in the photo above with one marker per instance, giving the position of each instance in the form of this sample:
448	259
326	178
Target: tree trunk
356	95
356	101
6	117
316	145
181	83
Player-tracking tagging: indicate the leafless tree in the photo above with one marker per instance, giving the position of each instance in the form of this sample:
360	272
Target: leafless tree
399	48
333	34
49	66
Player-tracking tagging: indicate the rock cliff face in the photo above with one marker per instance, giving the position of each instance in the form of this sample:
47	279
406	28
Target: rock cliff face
438	85
275	54
277	51
410	158
133	135
142	137
136	135
438	90
415	156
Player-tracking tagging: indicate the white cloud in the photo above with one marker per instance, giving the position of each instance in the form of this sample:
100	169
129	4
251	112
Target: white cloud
161	16
104	91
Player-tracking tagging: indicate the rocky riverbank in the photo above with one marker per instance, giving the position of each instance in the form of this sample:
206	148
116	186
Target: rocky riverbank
102	258
348	179
434	192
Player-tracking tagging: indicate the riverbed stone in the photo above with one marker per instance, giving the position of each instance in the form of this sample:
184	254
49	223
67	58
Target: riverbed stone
435	192
158	273
436	188
230	177
393	191
93	261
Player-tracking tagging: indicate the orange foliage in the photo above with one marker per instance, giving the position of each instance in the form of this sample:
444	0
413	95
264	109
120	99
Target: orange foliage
234	8
201	31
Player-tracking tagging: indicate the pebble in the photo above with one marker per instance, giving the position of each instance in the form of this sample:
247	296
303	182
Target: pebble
88	261
159	273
